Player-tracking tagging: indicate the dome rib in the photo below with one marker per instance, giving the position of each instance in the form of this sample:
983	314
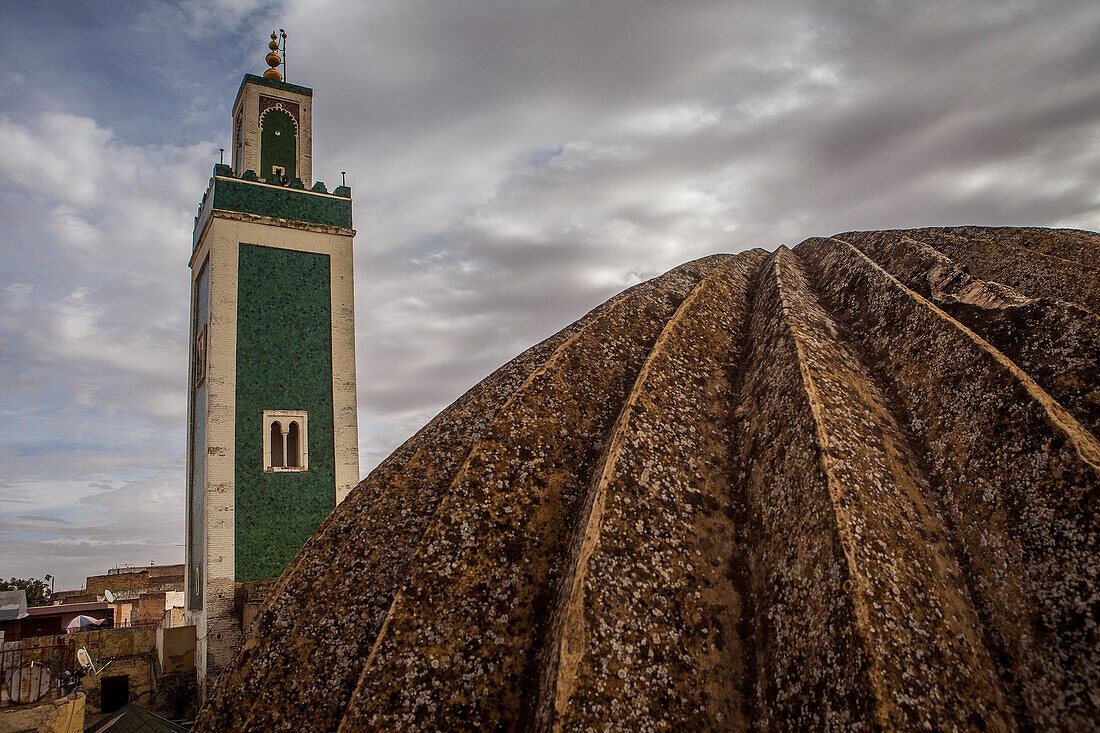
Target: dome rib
810	667
1034	551
498	539
682	377
1087	446
1056	343
848	485
912	611
1041	263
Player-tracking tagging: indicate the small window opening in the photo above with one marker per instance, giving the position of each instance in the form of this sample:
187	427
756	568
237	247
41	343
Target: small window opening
238	145
276	445
286	440
200	357
292	435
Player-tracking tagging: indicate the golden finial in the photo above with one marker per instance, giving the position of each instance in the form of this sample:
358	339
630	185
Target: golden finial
273	60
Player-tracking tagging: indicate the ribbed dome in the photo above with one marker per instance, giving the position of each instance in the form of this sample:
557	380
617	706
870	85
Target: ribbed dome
850	485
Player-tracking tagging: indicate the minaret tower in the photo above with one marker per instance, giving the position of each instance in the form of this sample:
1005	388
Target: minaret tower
272	440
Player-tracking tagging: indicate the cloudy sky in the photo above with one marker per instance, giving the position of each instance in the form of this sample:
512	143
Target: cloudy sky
514	163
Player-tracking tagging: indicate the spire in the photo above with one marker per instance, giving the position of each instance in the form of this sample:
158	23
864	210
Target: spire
273	60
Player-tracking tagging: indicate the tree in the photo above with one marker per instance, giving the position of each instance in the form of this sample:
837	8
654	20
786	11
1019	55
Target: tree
38	591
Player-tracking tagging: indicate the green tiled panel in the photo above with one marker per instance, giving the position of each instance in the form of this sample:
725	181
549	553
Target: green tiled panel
284	362
281	203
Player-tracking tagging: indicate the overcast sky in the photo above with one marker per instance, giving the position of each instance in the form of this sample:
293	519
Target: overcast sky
513	162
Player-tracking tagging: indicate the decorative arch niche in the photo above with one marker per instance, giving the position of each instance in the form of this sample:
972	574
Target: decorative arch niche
278	144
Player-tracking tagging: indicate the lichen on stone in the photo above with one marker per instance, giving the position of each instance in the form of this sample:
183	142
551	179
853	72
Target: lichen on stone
848	485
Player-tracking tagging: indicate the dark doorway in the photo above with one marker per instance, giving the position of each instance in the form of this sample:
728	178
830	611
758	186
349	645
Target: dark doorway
114	692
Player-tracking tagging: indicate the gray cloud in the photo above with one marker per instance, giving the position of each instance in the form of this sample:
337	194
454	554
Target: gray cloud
513	164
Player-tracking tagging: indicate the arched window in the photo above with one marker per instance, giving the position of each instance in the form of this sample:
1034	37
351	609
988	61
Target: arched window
286	441
278	143
292	437
276	445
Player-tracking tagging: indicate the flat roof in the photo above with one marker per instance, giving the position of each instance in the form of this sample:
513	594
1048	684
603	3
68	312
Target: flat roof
68	608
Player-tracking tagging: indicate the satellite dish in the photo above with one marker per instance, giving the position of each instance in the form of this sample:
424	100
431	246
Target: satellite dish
109	595
29	683
86	662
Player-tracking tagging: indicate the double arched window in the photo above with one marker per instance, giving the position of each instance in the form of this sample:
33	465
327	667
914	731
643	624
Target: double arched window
285	441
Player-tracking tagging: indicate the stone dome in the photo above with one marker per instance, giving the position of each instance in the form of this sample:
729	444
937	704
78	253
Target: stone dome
851	485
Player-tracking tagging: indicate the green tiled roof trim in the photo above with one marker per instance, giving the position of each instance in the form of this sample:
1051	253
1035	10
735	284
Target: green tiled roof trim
280	202
278	85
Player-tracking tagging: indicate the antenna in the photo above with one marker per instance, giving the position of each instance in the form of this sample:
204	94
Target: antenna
282	35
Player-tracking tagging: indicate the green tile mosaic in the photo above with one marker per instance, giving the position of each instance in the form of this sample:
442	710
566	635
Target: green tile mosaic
284	362
281	202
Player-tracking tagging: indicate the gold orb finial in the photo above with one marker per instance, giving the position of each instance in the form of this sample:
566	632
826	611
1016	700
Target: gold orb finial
273	60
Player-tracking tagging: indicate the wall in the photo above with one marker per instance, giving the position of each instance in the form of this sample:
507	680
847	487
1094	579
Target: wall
127	580
250	598
176	649
174	617
196	425
150	608
219	238
65	715
131	652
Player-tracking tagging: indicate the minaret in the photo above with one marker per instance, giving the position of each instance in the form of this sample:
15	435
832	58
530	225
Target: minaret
272	440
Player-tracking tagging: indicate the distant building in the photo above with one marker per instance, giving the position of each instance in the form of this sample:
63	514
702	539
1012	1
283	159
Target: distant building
52	620
13	609
18	623
139	594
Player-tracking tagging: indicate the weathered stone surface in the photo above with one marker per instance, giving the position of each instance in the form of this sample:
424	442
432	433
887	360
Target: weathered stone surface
851	485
